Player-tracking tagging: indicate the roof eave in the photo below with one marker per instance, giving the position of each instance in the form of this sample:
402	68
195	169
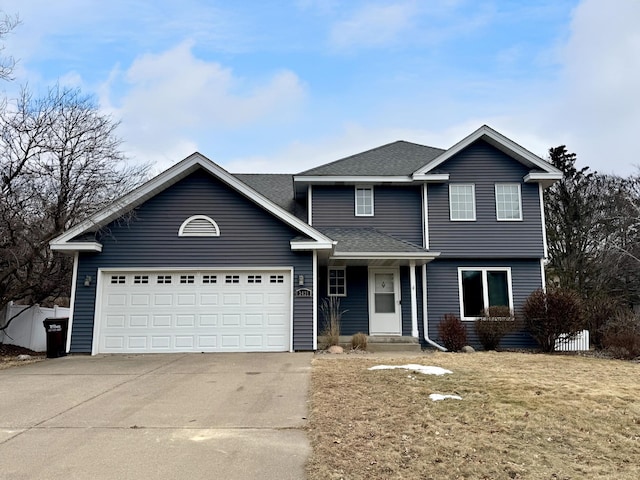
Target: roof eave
543	178
72	247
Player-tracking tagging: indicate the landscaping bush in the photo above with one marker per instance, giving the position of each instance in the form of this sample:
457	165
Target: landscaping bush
598	312
452	333
551	315
493	325
359	341
330	308
621	335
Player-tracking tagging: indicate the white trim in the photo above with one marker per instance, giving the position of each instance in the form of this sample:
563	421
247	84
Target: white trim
344	269
328	179
310	245
425	313
210	220
291	285
355	196
545	247
72	300
315	300
495	188
497	140
543	178
167	179
97	320
425	216
432	177
386	255
473	193
485	288
310	205
414	299
543	276
76	247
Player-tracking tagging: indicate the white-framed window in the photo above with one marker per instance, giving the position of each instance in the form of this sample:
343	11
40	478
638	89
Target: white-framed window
199	226
462	201
337	279
508	202
364	201
481	288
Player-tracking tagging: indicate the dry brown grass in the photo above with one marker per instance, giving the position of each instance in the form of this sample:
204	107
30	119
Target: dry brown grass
523	416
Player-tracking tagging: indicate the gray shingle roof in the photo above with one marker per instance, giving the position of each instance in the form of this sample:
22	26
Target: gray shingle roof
397	158
277	187
367	240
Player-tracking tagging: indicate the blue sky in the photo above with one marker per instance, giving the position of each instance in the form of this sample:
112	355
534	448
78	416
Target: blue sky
282	86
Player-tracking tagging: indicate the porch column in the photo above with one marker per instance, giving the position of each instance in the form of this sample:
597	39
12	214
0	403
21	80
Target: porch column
414	299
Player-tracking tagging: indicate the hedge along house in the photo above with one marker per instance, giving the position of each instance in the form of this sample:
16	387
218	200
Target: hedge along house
198	259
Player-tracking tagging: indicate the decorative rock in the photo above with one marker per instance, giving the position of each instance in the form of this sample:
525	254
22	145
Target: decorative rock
335	349
24	357
467	349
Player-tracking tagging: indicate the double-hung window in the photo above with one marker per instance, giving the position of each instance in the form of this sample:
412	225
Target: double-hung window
337	282
462	202
508	202
481	288
364	201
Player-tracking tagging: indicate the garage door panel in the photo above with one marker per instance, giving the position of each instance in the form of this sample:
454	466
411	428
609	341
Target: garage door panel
195	311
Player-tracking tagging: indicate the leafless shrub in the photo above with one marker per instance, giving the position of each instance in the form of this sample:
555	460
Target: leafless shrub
553	315
359	341
621	335
332	314
453	333
496	322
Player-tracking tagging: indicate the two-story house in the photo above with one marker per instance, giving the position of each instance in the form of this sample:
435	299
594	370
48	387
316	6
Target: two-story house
198	259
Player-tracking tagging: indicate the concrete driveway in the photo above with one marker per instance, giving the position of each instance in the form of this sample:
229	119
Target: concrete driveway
156	416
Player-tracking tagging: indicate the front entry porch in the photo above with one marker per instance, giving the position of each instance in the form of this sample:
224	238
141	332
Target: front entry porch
382	343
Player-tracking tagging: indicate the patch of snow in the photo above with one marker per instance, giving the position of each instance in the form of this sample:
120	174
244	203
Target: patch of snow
438	396
427	370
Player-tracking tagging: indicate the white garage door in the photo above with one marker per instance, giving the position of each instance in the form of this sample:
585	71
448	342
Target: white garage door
187	311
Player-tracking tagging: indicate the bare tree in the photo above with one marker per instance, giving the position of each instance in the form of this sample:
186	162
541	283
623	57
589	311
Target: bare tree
60	161
7	64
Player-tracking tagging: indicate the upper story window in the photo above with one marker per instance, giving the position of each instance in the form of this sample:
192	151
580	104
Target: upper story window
199	226
481	288
508	201
337	282
364	201
462	201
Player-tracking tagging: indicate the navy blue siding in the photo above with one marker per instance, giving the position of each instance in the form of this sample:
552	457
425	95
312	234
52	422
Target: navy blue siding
397	210
356	305
443	294
484	166
405	300
249	237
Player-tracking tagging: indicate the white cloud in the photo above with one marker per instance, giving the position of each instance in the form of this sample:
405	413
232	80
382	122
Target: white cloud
173	98
373	25
598	106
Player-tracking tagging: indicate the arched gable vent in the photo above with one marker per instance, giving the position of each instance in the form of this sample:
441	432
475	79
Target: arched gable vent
199	226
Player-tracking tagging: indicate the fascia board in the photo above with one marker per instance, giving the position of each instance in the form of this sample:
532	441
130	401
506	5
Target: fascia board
329	179
432	177
173	175
386	255
499	141
305	245
76	247
542	177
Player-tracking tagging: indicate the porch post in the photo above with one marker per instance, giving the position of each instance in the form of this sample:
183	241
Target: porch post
414	299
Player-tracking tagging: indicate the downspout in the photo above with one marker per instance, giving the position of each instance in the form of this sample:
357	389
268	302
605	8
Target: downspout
425	317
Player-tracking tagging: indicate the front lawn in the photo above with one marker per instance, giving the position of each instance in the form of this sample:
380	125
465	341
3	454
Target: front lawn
522	416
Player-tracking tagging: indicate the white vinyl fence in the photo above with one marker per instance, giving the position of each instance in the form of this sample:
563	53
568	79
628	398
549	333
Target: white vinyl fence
27	330
577	344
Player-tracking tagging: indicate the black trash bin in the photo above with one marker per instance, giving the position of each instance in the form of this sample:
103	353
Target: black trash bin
56	329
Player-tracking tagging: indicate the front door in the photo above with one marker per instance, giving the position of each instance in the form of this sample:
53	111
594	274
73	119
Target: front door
384	301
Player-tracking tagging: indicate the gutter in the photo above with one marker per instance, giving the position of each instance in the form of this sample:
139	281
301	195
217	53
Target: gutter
425	319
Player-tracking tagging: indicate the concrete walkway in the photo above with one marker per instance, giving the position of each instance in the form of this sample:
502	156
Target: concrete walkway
196	416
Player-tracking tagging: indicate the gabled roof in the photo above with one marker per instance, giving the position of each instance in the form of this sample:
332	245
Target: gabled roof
277	187
393	159
163	181
543	170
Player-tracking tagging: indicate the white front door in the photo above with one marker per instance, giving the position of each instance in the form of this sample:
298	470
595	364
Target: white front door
384	301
